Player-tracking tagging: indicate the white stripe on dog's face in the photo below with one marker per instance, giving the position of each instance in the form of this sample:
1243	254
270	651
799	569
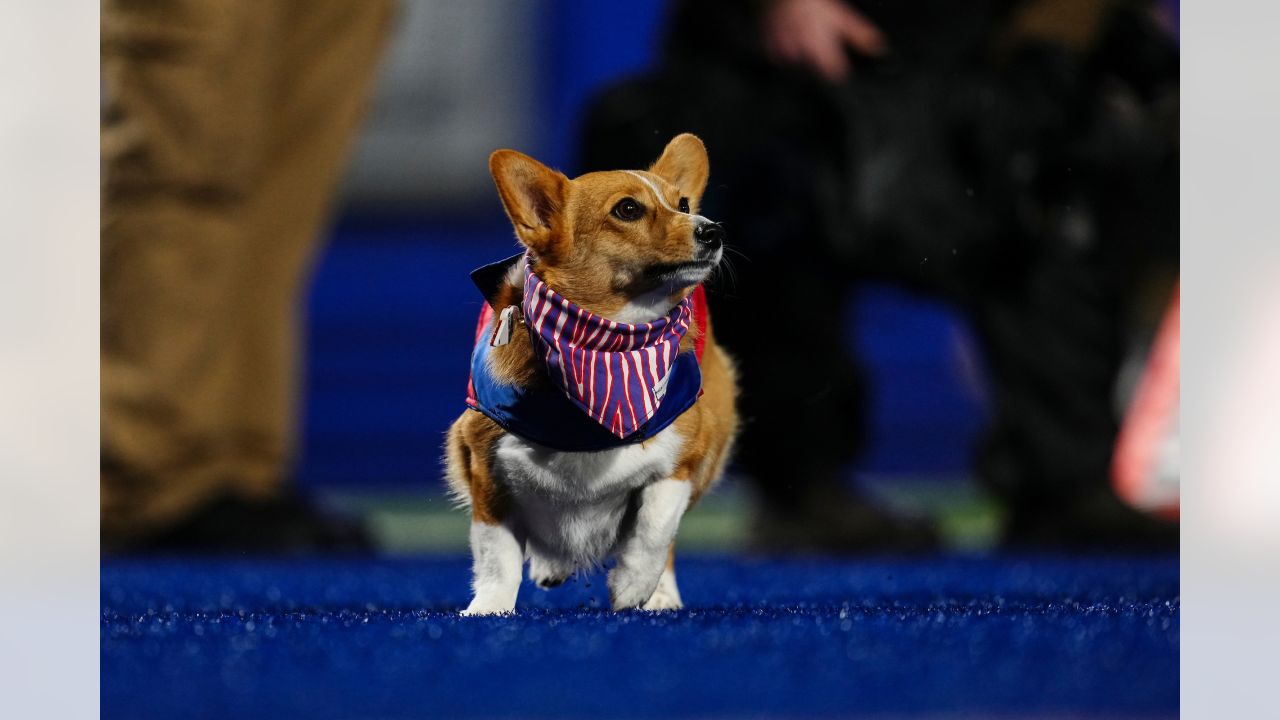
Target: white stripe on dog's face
658	194
653	188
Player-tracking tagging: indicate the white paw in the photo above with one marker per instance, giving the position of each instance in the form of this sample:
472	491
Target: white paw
661	600
548	574
480	606
629	589
667	596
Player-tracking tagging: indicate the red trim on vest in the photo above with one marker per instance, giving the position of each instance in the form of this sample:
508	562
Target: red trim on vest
486	314
701	316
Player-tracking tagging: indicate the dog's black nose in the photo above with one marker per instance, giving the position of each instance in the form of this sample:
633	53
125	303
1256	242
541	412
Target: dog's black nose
709	233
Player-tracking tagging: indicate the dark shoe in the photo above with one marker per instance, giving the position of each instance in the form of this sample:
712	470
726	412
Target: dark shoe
1095	520
832	521
288	525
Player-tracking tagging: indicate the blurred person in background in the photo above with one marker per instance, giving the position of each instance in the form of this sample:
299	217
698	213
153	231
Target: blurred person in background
1018	159
225	129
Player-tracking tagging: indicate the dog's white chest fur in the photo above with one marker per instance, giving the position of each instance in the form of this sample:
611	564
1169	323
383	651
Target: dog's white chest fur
573	504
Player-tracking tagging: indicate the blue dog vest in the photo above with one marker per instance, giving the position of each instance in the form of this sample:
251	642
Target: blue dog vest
543	413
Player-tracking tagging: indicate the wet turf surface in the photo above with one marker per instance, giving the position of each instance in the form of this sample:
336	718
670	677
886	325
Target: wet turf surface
1009	637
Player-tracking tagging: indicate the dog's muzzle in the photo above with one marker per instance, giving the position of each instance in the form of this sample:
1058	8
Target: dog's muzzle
709	235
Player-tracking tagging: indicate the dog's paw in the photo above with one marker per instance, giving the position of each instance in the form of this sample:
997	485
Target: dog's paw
548	574
667	596
480	607
628	590
662	601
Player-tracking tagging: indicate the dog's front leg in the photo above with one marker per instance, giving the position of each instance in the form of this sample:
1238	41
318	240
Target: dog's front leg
497	562
642	555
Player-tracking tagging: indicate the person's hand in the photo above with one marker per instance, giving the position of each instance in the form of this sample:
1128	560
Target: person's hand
815	33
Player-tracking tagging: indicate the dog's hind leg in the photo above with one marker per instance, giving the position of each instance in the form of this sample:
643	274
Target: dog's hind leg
497	544
497	558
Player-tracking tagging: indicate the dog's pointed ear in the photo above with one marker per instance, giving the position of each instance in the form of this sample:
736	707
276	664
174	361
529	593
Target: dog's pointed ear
684	164
533	196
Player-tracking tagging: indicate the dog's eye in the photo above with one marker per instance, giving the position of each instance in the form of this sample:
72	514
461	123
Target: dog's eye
684	205
628	209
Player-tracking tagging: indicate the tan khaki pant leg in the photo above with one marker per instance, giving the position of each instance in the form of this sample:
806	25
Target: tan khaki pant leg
224	139
326	65
182	141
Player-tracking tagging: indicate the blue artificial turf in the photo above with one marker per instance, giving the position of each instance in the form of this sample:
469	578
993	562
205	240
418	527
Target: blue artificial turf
957	637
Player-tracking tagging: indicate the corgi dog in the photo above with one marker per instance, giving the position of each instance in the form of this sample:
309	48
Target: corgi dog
600	407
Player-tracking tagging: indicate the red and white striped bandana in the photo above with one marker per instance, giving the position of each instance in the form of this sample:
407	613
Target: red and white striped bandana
614	372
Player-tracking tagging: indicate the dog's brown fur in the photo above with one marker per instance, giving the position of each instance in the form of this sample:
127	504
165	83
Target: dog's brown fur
596	260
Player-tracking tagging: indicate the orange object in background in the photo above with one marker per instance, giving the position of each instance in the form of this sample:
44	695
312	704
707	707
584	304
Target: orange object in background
1145	468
